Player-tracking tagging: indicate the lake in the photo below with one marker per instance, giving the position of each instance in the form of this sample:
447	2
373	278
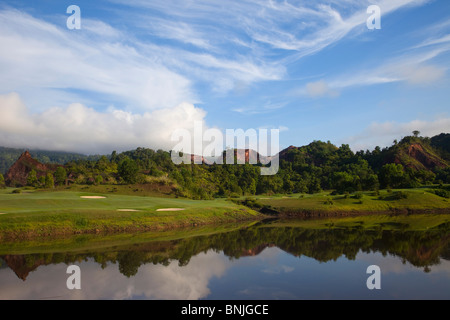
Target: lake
293	259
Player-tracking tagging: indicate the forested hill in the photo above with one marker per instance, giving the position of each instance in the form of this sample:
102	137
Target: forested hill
420	153
442	144
411	162
9	155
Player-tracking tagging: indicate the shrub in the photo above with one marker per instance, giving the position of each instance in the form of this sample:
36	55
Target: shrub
376	193
81	222
442	193
252	203
17	191
358	195
399	195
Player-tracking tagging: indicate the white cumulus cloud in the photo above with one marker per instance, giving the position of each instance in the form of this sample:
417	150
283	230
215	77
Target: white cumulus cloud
82	129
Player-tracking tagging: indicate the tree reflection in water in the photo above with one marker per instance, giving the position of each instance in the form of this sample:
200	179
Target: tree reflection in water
421	249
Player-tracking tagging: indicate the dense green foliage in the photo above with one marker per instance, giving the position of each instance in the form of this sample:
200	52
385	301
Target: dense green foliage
60	175
412	162
128	170
49	181
32	179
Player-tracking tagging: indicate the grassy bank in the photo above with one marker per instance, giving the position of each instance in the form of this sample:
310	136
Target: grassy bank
324	203
125	240
45	213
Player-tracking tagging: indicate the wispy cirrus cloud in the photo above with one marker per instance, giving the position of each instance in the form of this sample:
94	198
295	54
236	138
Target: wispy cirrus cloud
229	45
416	67
138	57
266	107
44	56
296	28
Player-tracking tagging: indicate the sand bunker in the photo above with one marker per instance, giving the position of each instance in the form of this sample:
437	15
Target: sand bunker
170	209
2	213
127	210
92	197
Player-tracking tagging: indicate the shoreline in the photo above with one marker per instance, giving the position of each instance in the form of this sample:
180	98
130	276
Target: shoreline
133	225
39	232
311	213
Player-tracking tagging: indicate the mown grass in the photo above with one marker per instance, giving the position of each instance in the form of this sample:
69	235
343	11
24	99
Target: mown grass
41	213
158	188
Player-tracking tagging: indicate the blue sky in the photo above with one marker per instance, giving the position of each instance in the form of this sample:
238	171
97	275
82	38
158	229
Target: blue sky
138	70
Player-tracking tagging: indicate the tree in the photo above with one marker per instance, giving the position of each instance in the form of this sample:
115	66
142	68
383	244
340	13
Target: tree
98	179
49	181
344	182
416	133
371	182
41	181
128	170
2	181
392	175
314	186
60	176
102	164
32	178
129	262
252	186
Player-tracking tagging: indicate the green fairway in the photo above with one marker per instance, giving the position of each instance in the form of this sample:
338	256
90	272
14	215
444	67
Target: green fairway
31	213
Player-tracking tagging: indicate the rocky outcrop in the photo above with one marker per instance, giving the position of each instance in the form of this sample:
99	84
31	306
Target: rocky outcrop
22	265
256	250
240	155
429	161
18	173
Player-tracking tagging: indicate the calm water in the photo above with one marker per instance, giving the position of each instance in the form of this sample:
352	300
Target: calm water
259	262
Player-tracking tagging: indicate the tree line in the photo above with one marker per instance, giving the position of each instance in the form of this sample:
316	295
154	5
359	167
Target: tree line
308	169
